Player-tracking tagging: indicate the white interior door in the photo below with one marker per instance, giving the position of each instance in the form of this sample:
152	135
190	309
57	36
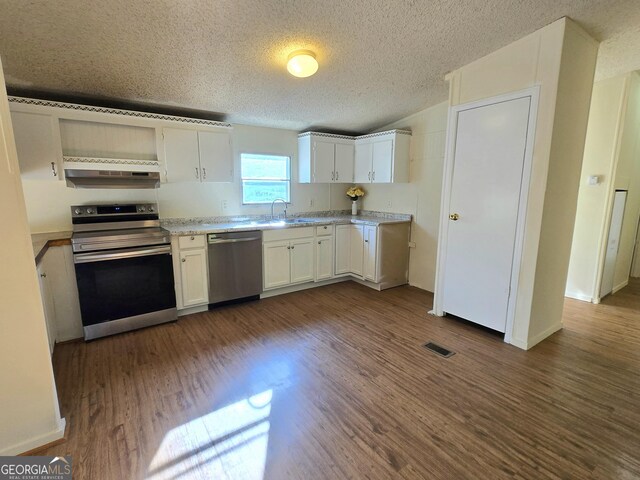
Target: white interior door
613	243
490	145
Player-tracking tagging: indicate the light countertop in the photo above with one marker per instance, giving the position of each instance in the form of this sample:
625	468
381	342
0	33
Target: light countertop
221	225
42	241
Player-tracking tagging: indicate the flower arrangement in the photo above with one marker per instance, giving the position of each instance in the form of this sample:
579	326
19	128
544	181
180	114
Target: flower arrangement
354	193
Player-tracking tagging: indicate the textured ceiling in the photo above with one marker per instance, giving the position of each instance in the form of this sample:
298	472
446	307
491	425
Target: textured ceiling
379	59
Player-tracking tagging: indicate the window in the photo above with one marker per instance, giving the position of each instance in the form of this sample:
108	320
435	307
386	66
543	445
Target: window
265	178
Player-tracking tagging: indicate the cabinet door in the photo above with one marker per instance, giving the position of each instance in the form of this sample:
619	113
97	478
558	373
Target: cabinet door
277	264
302	260
216	159
324	258
323	161
181	155
343	249
370	252
344	163
356	242
382	161
38	145
362	164
48	307
193	273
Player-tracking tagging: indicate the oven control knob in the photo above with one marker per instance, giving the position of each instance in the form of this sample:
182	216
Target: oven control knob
90	211
151	209
141	209
77	211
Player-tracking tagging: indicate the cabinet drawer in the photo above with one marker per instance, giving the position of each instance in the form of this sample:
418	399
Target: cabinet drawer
287	234
324	230
191	241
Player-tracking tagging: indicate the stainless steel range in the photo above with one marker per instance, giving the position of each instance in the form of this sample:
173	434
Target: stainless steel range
123	268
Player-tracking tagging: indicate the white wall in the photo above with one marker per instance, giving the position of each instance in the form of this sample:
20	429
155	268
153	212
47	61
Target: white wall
29	416
612	151
607	106
420	197
48	201
628	178
560	58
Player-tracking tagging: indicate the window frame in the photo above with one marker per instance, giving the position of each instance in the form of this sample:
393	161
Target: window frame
289	158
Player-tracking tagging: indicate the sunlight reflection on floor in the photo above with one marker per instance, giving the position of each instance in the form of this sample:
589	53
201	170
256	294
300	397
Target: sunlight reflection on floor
229	443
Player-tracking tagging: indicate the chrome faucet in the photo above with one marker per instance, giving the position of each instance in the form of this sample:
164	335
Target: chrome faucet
285	207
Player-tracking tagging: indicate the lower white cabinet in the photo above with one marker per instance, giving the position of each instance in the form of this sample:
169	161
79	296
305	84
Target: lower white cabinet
277	264
350	249
324	258
370	253
190	271
48	305
288	257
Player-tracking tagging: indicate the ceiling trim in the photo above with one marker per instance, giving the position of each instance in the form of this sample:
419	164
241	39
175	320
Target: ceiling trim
115	111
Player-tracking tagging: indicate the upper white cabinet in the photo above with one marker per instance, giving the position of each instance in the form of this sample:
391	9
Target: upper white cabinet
197	155
325	158
382	157
377	158
38	145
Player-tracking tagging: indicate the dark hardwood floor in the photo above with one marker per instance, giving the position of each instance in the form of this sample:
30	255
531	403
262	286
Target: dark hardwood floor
333	383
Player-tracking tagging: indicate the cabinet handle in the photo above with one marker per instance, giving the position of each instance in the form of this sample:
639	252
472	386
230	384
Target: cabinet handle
369	176
184	260
193	238
53	169
204	173
366	241
333	174
43	275
337	176
325	227
374	176
319	243
292	248
197	174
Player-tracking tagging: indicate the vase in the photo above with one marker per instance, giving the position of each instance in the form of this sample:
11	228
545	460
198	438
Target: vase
354	207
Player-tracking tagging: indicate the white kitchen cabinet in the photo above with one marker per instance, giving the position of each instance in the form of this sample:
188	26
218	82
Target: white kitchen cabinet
302	260
277	264
38	145
370	253
382	157
324	258
216	158
356	249
190	270
47	304
325	158
343	249
197	155
288	257
193	277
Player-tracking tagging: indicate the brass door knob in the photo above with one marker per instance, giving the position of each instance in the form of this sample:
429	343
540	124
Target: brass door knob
454	217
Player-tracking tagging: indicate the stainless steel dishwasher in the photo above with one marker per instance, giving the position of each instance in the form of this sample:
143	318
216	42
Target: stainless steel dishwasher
235	266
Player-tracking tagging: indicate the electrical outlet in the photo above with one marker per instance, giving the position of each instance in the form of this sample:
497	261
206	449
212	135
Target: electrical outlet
224	204
412	244
389	204
311	202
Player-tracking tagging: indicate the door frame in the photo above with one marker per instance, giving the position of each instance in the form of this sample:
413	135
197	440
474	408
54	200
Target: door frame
443	233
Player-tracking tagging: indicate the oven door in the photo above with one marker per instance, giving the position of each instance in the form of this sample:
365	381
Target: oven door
124	289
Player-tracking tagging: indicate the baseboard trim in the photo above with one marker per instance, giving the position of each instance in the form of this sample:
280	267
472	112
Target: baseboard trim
620	286
301	286
48	445
39	442
579	296
190	310
542	335
516	342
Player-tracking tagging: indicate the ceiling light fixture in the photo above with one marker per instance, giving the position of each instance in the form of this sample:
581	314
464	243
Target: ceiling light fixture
302	63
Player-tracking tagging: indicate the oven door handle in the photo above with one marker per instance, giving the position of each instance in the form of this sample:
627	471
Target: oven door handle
130	253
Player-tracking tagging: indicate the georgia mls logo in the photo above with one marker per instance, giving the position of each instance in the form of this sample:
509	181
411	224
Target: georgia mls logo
35	468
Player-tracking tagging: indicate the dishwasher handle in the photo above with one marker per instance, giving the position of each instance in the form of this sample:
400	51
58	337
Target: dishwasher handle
216	241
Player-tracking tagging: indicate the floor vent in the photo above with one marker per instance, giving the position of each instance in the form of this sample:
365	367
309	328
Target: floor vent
437	349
